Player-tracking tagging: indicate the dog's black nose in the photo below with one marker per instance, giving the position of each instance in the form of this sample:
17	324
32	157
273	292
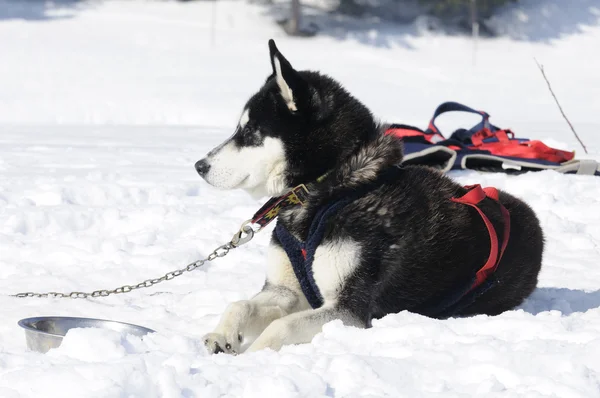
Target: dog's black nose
202	167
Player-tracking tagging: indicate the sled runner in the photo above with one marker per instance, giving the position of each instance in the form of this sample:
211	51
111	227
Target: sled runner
484	147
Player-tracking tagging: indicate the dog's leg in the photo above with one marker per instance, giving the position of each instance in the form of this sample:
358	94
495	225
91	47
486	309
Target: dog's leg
244	320
334	262
301	327
247	318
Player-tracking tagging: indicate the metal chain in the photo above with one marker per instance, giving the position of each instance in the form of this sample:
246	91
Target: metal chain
243	236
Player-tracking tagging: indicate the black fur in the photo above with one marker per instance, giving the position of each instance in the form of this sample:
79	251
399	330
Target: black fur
328	125
417	245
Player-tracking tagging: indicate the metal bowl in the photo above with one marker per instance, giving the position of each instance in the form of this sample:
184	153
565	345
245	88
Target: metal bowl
46	332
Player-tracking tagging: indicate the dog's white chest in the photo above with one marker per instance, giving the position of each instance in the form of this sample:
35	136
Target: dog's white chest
334	263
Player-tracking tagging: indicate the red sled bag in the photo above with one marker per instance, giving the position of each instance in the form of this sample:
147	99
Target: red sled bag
484	147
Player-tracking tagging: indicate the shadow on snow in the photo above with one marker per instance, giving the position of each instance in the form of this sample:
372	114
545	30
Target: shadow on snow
566	301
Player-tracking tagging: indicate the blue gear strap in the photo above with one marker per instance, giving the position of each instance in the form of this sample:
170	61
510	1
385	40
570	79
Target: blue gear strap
294	248
455	106
302	254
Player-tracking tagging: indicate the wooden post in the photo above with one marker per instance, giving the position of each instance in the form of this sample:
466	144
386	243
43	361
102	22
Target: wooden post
474	28
293	27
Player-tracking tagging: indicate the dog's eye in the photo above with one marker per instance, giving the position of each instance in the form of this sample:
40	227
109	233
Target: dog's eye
251	137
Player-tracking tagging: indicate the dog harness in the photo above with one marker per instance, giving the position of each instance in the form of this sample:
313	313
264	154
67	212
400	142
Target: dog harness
301	253
463	296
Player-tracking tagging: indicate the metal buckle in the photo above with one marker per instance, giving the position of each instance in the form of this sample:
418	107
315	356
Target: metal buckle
300	197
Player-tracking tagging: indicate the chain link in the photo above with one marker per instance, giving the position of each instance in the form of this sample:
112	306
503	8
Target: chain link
243	236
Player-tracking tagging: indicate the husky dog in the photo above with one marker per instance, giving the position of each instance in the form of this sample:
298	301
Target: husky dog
402	244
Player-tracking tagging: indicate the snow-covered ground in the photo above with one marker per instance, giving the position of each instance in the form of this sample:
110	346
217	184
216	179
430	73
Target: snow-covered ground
105	107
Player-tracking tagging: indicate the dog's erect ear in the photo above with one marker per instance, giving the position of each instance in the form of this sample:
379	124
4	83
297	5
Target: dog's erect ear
290	83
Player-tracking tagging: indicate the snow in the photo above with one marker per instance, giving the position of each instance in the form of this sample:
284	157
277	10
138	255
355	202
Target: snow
106	106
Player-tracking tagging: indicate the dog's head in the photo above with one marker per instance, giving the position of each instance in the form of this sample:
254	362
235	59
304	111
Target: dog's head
293	130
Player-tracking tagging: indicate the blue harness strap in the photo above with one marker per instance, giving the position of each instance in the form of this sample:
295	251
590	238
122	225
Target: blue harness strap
302	254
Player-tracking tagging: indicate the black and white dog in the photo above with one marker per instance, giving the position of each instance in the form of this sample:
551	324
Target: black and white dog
398	243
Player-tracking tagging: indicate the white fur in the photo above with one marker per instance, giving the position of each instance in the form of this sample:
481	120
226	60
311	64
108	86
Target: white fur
300	327
259	170
245	118
296	328
333	264
281	273
249	318
276	316
286	91
276	183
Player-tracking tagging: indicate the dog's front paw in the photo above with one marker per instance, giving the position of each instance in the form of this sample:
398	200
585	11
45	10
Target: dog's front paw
216	343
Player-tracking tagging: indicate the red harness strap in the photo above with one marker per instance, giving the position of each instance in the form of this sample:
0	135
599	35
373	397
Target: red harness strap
524	149
401	132
472	198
